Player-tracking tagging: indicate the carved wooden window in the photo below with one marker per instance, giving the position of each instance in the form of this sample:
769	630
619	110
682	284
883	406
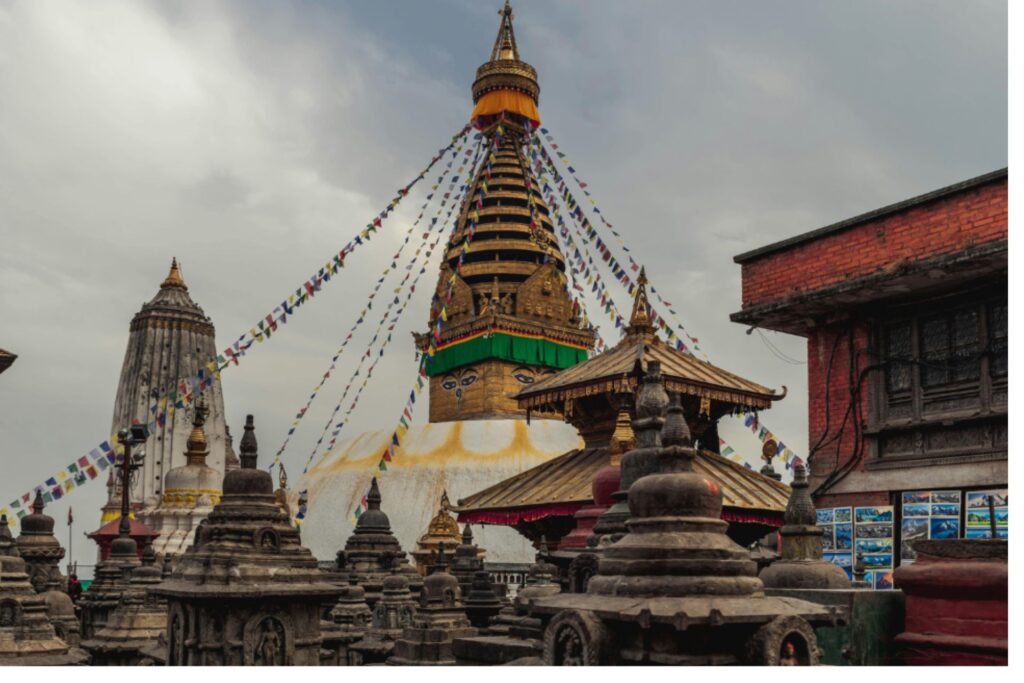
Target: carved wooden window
950	348
998	336
900	352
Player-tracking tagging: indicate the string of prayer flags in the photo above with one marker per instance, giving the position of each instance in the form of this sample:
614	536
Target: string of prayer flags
391	320
380	281
439	308
179	397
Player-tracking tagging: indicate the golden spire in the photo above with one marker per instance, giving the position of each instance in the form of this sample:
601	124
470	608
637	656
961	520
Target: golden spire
623	438
173	278
505	43
640	319
197	448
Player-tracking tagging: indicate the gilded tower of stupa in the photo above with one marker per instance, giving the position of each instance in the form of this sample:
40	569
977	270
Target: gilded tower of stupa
509	323
170	340
510	320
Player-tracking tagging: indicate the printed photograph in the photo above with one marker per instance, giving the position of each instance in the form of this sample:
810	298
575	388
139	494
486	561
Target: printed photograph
841	559
874	531
907	551
880	561
874	514
915	510
827	542
914	529
844	536
874	545
883	581
825	516
978	517
945	528
945	510
843	515
945	496
979	499
916	497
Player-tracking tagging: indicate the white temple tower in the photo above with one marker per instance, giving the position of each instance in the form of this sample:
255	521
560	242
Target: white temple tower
170	340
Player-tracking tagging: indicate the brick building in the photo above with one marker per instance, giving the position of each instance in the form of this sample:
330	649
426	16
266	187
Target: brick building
905	314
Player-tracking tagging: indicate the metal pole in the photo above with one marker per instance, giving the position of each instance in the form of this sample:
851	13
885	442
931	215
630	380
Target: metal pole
124	528
71	549
992	515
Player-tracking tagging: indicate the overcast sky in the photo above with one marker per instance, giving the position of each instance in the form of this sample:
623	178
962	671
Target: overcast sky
253	139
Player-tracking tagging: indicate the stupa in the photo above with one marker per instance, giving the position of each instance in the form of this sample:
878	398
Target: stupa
442	529
246	592
189	494
137	624
802	565
42	553
112	579
675	589
372	551
346	623
439	619
510	323
170	340
27	637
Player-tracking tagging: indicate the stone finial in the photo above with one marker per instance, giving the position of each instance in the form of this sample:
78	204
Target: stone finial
675	431
800	508
248	446
467	535
196	444
37	503
148	554
640	319
651	401
7	546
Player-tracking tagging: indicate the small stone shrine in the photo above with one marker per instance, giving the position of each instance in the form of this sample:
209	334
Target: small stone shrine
135	627
371	551
112	577
513	634
802	565
478	596
42	554
391	615
247	592
439	619
675	589
27	637
346	623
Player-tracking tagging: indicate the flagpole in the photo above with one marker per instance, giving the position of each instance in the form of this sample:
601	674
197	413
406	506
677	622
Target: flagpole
71	551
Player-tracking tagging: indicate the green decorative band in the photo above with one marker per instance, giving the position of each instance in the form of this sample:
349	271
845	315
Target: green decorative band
504	346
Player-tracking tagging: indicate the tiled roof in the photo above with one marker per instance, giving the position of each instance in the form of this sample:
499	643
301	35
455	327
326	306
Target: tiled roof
567	478
614	371
6	358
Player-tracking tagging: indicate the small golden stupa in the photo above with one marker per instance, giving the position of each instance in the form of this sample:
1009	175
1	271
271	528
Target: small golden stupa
442	529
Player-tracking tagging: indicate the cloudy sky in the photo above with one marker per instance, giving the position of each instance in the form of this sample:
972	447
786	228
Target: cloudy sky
253	139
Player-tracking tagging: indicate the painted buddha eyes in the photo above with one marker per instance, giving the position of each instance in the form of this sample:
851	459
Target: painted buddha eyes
449	383
468	379
523	378
457	383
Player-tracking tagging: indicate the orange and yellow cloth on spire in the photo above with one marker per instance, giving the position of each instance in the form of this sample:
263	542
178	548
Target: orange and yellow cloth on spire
502	101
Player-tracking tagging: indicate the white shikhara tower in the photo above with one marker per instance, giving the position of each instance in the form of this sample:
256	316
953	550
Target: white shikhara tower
170	340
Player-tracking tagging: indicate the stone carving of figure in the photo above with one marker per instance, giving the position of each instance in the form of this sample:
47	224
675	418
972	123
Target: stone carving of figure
270	646
6	614
788	657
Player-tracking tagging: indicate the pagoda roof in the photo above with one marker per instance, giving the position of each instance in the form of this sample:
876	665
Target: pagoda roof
562	485
615	371
6	359
111	529
618	370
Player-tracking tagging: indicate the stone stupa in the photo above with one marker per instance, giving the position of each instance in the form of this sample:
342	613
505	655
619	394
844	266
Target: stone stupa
247	592
27	637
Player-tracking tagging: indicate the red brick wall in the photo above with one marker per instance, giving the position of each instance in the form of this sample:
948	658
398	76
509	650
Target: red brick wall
830	397
947	225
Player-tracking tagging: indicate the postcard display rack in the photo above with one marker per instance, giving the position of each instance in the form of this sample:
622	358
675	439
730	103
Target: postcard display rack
864	530
977	515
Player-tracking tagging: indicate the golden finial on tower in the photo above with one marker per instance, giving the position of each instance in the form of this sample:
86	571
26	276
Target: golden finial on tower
640	319
623	438
505	84
174	278
196	444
